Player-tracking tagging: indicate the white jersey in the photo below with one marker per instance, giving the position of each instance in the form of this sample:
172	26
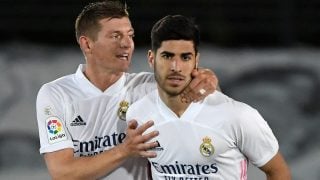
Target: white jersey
73	113
211	140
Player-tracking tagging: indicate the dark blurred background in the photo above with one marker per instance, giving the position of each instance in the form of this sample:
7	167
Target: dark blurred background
266	53
226	23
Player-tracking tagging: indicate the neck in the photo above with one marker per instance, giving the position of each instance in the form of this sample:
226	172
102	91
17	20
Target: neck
174	103
101	79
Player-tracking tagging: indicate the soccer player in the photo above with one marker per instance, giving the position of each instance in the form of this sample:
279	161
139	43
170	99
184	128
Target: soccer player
211	139
81	116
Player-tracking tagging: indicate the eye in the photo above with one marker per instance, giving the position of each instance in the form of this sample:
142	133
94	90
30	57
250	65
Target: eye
166	56
116	36
131	36
186	57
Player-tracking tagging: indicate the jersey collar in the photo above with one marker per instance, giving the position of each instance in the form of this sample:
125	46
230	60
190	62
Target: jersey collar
87	86
190	113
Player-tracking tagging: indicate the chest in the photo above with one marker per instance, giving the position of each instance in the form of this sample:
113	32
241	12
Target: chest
191	142
95	124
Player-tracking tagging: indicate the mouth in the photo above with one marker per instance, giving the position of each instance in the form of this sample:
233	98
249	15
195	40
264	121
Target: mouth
123	57
175	80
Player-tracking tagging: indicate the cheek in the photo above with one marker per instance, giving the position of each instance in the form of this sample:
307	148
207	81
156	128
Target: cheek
188	69
160	70
132	44
188	66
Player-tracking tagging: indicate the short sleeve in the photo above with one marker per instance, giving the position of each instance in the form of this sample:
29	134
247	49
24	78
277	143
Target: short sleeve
255	138
53	133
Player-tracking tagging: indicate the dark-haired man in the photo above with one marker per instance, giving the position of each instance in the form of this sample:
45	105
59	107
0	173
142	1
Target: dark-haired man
211	139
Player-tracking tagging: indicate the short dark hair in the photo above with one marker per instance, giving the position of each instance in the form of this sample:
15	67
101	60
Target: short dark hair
87	22
174	27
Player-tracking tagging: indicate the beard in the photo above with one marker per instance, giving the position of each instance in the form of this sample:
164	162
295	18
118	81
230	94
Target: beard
171	91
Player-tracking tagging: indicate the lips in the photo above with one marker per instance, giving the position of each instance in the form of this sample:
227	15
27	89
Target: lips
175	77
175	80
123	56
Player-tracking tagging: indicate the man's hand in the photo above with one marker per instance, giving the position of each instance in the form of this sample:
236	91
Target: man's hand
136	143
204	82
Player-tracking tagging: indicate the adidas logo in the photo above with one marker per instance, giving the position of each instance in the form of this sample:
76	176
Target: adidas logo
157	148
78	121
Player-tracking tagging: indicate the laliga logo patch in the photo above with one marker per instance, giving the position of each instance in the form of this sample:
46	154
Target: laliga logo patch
54	126
124	105
206	148
55	130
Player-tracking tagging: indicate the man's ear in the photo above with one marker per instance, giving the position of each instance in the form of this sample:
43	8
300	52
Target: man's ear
197	60
85	44
151	58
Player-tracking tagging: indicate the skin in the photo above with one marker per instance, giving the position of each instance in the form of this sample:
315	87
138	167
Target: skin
277	168
108	56
63	165
173	64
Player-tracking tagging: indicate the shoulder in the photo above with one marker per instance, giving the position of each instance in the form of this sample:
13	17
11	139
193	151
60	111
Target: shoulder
145	103
142	107
218	98
142	77
245	117
237	112
57	86
139	84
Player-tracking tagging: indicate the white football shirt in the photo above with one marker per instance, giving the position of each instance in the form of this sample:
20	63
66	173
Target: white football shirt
211	140
73	113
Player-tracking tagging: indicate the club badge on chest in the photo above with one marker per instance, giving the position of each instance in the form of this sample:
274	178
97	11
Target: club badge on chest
206	148
123	107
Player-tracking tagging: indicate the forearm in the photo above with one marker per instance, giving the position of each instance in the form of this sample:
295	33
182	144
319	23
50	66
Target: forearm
277	168
97	166
93	167
280	176
63	165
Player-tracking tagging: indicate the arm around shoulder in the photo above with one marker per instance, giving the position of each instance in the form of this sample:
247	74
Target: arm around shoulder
277	168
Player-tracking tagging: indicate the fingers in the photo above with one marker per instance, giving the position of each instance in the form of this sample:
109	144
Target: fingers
204	83
148	154
147	137
144	127
146	150
133	124
185	96
137	141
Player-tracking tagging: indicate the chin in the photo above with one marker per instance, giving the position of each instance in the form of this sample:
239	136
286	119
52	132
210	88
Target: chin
174	92
125	68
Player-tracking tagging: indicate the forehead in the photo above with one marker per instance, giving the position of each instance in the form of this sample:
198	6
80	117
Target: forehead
177	46
116	24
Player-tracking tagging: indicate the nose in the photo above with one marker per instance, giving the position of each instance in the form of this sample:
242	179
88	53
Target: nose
126	42
175	65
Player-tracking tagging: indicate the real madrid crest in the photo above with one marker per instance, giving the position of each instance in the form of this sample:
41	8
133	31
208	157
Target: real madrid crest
124	105
206	148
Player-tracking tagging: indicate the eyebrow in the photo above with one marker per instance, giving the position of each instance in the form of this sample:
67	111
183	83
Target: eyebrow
119	32
131	30
172	54
167	53
187	54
